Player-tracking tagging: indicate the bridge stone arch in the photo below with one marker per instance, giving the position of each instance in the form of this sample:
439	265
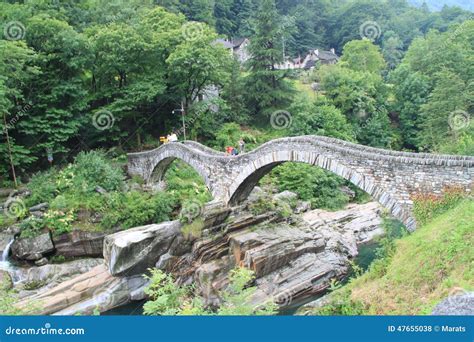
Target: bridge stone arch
152	165
390	177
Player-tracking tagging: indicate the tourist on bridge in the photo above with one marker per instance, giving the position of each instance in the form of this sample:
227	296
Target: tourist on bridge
242	145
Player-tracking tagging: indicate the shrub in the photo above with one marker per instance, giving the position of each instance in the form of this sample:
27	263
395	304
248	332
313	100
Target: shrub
43	187
186	184
428	206
32	227
92	169
59	222
132	209
313	184
166	298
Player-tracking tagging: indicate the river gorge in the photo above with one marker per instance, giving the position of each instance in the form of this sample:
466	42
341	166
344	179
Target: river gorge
296	257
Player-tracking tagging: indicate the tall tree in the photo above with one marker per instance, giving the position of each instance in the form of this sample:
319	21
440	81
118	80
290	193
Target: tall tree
267	88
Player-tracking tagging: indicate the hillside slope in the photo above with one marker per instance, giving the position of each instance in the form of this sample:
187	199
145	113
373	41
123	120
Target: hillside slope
427	266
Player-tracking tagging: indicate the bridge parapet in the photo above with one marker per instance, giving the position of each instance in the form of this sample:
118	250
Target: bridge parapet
391	177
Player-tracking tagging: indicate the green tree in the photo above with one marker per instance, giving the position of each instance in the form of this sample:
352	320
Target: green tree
267	88
362	55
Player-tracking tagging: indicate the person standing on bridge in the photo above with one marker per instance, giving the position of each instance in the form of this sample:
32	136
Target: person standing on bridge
242	145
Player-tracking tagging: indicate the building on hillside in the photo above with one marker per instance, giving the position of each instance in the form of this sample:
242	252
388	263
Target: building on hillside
238	47
310	61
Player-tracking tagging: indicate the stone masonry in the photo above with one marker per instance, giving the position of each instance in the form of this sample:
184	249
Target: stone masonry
390	177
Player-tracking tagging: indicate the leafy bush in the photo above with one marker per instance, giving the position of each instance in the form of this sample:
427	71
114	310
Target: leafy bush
59	222
43	187
32	227
134	208
428	206
166	298
92	169
183	182
313	184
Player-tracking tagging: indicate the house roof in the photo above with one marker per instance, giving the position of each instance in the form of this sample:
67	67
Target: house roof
327	55
309	64
225	43
238	41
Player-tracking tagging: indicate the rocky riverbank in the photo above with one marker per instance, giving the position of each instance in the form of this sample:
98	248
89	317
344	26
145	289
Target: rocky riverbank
295	257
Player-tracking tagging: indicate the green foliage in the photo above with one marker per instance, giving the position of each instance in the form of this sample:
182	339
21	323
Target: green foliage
311	184
43	187
166	298
427	206
264	205
362	55
267	89
194	229
7	301
59	222
319	118
32	227
237	298
183	182
131	209
92	169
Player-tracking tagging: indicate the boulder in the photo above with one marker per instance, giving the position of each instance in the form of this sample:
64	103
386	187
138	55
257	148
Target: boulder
41	262
32	248
461	304
302	207
52	274
256	194
95	289
286	196
80	244
40	207
135	250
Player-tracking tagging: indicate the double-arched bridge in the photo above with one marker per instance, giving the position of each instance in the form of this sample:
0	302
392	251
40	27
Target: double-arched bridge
390	177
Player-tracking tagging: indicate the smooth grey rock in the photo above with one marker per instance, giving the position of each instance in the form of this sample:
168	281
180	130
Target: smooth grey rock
456	305
32	248
256	194
100	190
135	250
286	196
41	262
302	207
80	244
52	274
39	207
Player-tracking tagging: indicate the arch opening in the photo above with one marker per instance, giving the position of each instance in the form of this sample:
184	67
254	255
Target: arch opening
182	177
246	182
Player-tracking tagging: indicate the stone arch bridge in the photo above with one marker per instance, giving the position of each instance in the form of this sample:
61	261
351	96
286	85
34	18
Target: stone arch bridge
390	177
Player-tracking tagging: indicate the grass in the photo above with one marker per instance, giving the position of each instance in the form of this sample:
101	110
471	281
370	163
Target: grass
425	268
